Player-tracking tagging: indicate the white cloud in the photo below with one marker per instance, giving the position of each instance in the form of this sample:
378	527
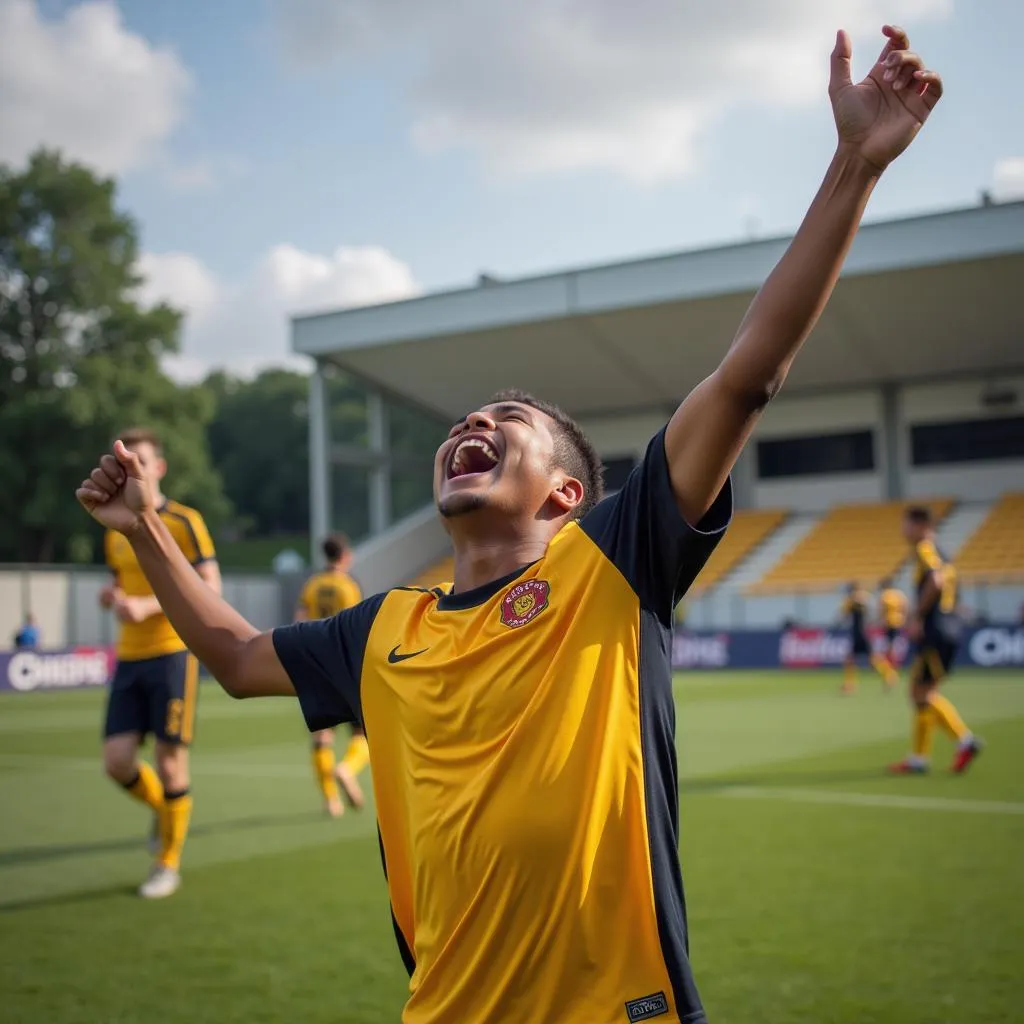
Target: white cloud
1008	179
85	84
244	325
543	86
204	174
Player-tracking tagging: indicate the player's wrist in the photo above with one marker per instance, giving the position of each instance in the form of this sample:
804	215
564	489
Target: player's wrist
854	166
145	530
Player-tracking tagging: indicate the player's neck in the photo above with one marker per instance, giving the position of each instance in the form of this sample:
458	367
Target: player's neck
479	562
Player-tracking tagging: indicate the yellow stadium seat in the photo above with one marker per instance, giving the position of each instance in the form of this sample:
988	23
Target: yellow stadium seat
861	543
746	532
994	553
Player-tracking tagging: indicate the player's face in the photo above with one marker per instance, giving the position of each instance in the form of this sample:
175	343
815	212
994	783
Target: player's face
153	464
501	458
912	530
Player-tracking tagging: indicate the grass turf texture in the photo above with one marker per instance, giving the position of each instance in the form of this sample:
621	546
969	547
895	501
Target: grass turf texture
820	891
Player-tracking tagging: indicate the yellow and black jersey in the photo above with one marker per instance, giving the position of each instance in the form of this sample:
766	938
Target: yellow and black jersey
855	610
524	739
155	636
941	619
892	606
328	593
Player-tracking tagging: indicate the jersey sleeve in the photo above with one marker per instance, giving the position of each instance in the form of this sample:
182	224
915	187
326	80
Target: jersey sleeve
324	660
928	556
641	530
199	542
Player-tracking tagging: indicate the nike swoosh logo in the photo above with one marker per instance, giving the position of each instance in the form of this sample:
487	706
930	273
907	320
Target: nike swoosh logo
394	657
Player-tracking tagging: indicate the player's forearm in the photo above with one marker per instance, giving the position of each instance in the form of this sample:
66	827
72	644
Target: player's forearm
792	298
210	627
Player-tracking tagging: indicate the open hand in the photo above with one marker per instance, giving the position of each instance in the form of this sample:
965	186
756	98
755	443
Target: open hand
116	493
881	115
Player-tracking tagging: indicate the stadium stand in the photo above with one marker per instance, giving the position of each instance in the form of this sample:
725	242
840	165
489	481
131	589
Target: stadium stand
994	553
850	542
748	530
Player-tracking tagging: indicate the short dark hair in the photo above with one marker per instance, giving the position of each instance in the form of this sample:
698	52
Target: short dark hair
573	449
142	435
334	547
920	514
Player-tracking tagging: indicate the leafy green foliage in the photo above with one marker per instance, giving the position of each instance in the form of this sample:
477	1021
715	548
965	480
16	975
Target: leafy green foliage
80	359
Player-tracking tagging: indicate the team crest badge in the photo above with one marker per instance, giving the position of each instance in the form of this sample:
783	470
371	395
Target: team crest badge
524	602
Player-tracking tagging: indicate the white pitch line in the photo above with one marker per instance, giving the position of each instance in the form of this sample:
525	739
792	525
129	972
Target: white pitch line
909	803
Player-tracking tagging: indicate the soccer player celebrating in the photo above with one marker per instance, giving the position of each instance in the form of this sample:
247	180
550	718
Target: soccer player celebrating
529	809
324	595
935	629
155	683
855	612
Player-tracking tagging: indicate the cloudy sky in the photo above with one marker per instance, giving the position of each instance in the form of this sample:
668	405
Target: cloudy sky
291	155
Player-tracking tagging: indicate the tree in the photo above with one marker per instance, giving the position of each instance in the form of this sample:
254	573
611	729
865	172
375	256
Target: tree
80	359
259	439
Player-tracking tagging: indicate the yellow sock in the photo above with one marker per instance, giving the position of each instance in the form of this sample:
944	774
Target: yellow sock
924	729
884	668
357	757
323	766
147	787
948	717
174	819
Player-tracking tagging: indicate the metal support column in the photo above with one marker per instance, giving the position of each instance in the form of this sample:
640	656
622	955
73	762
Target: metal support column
893	446
319	461
379	439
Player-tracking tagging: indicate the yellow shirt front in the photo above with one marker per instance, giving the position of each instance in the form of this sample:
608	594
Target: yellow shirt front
524	764
893	604
154	636
328	593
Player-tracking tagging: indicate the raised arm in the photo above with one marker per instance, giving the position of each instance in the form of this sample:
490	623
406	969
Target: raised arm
241	658
876	120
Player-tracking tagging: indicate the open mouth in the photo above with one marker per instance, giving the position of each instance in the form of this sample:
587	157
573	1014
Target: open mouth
471	456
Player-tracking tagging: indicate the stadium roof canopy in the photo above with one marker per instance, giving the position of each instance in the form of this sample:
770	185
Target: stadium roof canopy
921	298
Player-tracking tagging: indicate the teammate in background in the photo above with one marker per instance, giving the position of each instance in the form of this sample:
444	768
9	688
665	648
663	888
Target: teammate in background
529	816
935	630
155	683
892	613
855	612
323	596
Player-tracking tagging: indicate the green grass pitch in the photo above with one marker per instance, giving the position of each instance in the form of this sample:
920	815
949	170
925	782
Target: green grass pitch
820	891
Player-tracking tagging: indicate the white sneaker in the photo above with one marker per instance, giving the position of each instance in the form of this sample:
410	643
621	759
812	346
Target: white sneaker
162	882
